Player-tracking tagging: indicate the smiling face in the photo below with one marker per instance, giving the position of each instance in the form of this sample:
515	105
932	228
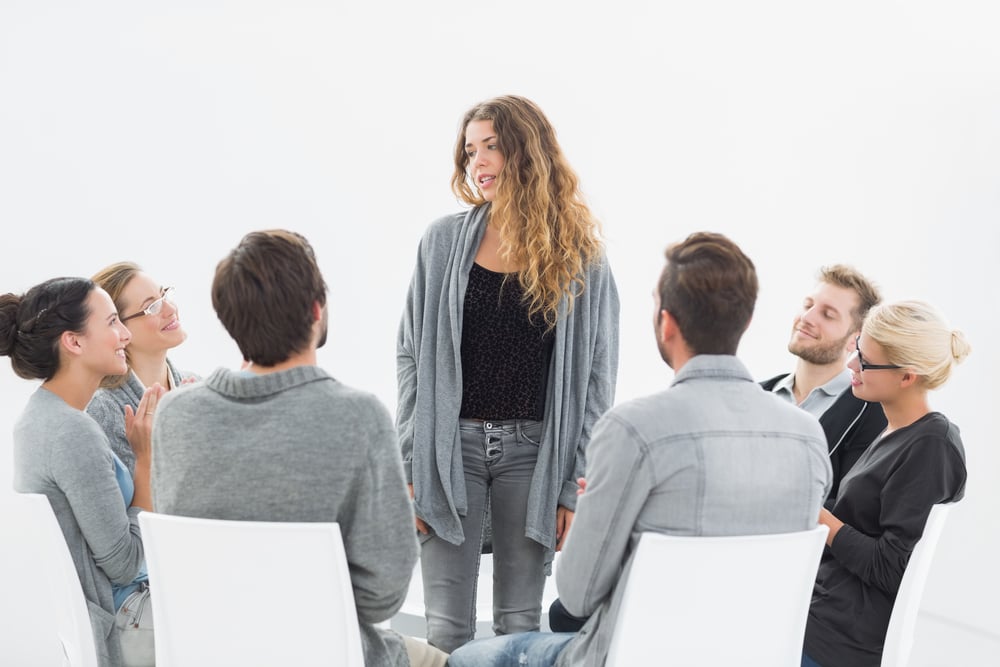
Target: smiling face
873	384
151	334
103	340
485	159
823	332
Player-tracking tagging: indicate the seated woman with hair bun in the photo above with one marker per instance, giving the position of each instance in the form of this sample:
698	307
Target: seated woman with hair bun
905	350
66	332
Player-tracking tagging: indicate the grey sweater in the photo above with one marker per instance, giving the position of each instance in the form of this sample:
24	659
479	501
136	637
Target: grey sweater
63	453
295	445
107	407
581	383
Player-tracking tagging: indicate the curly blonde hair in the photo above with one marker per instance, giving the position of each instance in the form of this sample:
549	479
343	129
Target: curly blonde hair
539	212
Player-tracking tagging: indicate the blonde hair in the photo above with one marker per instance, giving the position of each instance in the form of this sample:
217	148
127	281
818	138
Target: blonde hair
915	336
539	212
113	279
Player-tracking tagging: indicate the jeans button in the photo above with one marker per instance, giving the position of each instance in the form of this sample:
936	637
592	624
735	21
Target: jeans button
489	425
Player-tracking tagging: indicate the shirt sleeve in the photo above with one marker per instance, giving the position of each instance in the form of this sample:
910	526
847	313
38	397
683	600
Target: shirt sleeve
931	472
83	469
379	538
618	485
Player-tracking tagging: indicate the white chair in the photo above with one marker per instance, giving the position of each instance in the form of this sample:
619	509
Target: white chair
68	605
717	600
249	593
902	622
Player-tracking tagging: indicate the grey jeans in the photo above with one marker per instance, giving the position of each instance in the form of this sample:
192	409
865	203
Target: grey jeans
499	459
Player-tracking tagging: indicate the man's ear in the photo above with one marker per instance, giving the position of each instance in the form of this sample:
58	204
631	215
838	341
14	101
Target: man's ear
668	326
317	311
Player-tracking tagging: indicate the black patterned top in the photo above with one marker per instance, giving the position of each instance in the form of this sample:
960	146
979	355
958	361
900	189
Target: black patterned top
505	355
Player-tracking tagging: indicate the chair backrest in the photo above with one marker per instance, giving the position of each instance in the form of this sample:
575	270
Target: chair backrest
717	600
68	606
902	622
249	593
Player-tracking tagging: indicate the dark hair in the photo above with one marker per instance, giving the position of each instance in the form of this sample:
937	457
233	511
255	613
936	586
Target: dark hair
264	291
31	324
710	287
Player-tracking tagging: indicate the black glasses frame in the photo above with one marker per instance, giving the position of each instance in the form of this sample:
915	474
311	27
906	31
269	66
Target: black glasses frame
865	366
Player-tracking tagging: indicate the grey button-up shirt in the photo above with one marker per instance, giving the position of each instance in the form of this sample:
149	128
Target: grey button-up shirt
714	454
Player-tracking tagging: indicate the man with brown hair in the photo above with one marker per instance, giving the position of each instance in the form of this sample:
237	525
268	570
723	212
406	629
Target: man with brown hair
281	440
710	455
823	337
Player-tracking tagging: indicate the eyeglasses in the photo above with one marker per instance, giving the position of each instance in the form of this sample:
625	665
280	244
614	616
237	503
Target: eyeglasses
865	366
167	295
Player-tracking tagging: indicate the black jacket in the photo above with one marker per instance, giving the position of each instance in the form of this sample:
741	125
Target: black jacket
850	425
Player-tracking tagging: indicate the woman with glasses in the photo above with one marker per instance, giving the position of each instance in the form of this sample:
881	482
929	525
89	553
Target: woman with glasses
507	355
904	351
150	313
66	332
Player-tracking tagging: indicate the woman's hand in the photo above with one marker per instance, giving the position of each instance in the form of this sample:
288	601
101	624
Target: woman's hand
564	519
421	525
827	519
139	424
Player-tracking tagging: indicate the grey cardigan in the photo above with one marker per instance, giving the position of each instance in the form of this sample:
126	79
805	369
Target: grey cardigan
61	452
581	385
107	407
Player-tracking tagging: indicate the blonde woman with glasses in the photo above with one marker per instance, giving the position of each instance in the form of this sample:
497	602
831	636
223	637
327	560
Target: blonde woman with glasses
151	315
905	350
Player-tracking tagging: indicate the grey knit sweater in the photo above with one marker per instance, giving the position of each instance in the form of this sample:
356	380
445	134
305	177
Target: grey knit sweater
581	382
63	453
295	445
107	407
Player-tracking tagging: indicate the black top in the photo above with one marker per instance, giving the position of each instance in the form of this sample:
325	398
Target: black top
505	355
884	502
850	425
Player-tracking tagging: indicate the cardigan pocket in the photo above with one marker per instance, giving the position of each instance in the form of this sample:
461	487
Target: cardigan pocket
102	623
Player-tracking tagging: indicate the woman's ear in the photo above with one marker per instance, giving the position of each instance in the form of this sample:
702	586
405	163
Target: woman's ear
70	341
909	378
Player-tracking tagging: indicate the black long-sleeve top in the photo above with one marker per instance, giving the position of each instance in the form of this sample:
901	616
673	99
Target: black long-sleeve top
884	502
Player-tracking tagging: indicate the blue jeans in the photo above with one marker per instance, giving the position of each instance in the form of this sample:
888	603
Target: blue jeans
498	459
526	649
809	662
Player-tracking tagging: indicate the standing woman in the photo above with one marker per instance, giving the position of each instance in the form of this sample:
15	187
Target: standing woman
507	356
150	313
66	333
904	350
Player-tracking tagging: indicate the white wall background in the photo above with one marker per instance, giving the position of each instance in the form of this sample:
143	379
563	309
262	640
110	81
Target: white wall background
811	133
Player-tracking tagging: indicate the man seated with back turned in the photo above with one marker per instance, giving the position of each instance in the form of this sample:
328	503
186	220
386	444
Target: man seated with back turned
711	455
823	337
281	440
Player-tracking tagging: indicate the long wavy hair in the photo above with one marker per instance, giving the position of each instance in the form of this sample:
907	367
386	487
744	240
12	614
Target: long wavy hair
545	226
